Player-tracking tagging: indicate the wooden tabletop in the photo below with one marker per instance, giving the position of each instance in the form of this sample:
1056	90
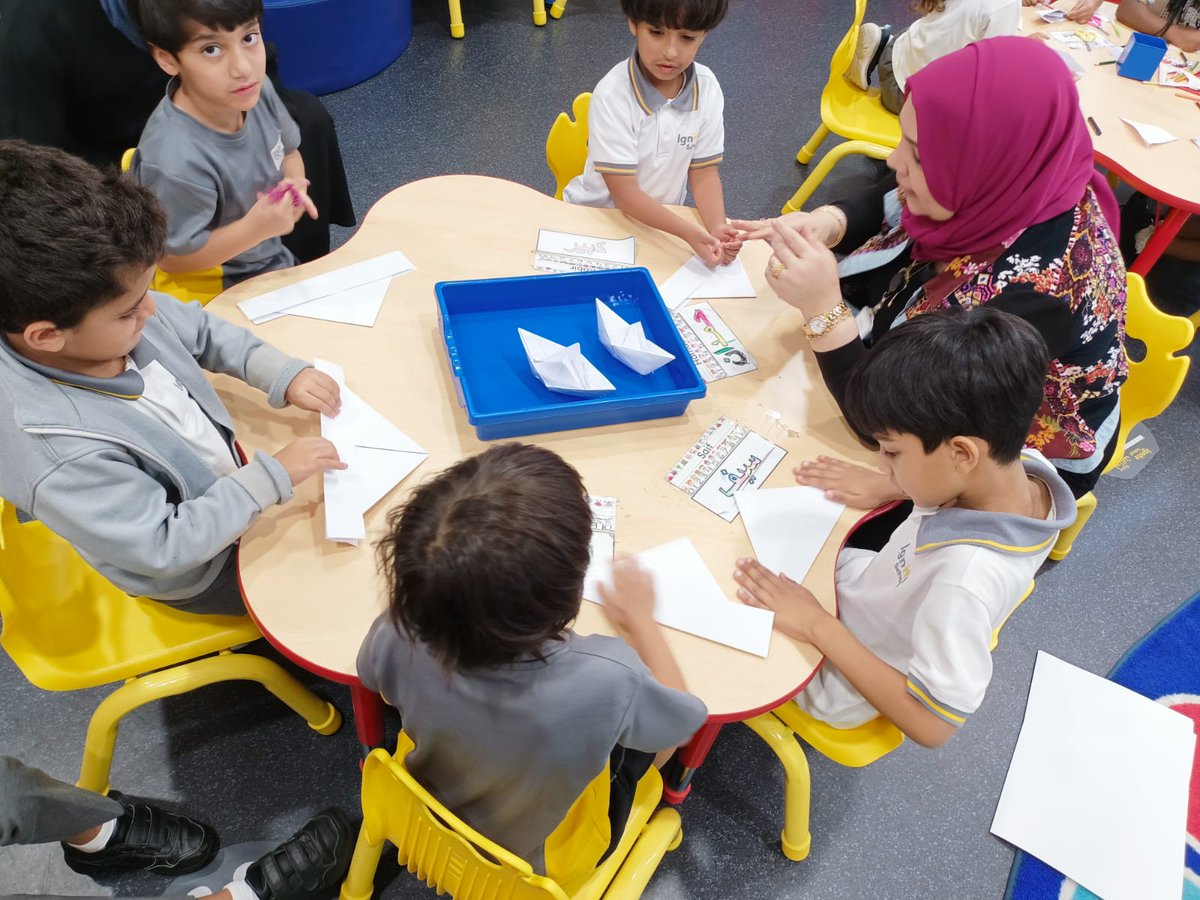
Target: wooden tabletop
315	599
1168	172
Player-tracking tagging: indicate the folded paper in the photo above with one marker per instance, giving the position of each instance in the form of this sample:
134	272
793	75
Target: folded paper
378	456
563	369
326	290
628	342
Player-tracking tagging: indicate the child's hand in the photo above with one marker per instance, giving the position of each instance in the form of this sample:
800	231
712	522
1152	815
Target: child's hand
1083	10
297	191
315	392
629	602
797	612
804	271
707	247
305	457
847	483
272	215
731	242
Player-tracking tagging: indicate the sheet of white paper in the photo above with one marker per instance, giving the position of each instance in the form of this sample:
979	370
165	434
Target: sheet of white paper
628	342
1098	784
378	456
282	301
1196	141
1150	134
788	526
687	278
355	306
688	598
729	280
1052	15
561	368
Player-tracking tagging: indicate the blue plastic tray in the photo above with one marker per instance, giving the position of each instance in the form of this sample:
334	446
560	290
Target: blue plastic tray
503	398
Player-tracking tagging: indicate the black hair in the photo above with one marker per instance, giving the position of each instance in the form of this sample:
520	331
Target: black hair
71	236
686	15
164	23
977	373
485	563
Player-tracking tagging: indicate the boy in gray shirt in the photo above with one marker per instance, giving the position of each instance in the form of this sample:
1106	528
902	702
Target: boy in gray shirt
220	151
512	713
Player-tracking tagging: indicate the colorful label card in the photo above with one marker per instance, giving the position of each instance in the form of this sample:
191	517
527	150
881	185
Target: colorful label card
713	346
561	251
604	528
728	458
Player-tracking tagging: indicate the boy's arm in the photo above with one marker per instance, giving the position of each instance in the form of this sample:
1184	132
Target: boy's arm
1149	20
705	183
800	616
266	219
637	204
629	608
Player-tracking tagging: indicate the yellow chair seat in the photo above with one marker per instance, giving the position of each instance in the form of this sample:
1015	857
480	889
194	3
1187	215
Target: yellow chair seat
854	747
67	627
451	857
567	144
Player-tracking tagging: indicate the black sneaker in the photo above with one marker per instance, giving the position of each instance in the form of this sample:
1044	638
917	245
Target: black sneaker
150	839
309	863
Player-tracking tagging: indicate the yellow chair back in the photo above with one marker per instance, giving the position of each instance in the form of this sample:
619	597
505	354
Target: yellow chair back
200	286
567	144
452	857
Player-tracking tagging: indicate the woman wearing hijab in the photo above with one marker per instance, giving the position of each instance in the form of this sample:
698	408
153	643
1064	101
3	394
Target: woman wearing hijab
994	199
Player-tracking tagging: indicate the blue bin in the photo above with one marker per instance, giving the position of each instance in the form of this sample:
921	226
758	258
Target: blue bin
327	45
1141	56
503	398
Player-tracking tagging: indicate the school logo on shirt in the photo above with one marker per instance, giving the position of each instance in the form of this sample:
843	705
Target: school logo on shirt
902	568
277	152
686	141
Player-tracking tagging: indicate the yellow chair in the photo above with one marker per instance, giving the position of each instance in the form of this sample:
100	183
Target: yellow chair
567	144
853	747
451	857
1153	383
539	14
67	628
847	111
200	286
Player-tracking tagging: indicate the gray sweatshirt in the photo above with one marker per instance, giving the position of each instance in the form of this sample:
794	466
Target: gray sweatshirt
128	492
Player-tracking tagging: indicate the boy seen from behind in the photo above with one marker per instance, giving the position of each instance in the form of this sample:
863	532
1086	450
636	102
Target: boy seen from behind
110	433
513	714
656	127
949	398
221	151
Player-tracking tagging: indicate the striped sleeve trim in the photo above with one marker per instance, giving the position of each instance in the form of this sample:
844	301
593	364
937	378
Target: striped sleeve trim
615	168
706	161
924	696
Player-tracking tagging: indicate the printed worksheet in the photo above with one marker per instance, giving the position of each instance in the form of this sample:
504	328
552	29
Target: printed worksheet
728	458
604	528
713	346
561	251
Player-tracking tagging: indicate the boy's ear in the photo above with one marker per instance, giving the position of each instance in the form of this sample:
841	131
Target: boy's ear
966	452
44	336
166	61
632	27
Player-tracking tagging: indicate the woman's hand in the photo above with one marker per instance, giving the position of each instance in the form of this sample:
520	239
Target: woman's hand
823	225
844	482
803	272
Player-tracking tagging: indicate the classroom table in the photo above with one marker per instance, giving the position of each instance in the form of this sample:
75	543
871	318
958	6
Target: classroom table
314	600
1167	173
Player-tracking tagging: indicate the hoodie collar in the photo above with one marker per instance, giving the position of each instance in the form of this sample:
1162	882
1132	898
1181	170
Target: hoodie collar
1003	532
126	386
651	100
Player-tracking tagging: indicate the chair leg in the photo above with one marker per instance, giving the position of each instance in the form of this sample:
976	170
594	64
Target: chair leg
805	155
559	7
1084	507
831	159
101	738
360	879
539	12
796	838
456	23
662	833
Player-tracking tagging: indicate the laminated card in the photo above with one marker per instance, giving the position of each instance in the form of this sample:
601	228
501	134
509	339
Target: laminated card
728	458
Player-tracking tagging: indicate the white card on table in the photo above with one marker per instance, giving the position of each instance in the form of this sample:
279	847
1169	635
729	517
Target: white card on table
687	278
1098	784
354	306
688	598
1150	134
788	526
728	458
712	345
729	280
560	251
282	301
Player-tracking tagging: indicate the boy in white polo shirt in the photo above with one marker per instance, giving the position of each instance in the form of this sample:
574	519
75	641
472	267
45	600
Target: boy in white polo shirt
656	128
948	397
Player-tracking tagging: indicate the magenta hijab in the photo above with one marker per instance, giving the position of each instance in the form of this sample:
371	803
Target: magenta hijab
1002	143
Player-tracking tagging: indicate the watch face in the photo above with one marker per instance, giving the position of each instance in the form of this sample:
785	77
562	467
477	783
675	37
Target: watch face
818	325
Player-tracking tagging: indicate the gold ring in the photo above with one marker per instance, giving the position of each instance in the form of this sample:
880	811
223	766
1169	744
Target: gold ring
775	267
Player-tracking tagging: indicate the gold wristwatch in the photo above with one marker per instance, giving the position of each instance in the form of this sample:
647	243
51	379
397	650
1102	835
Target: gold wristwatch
827	321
